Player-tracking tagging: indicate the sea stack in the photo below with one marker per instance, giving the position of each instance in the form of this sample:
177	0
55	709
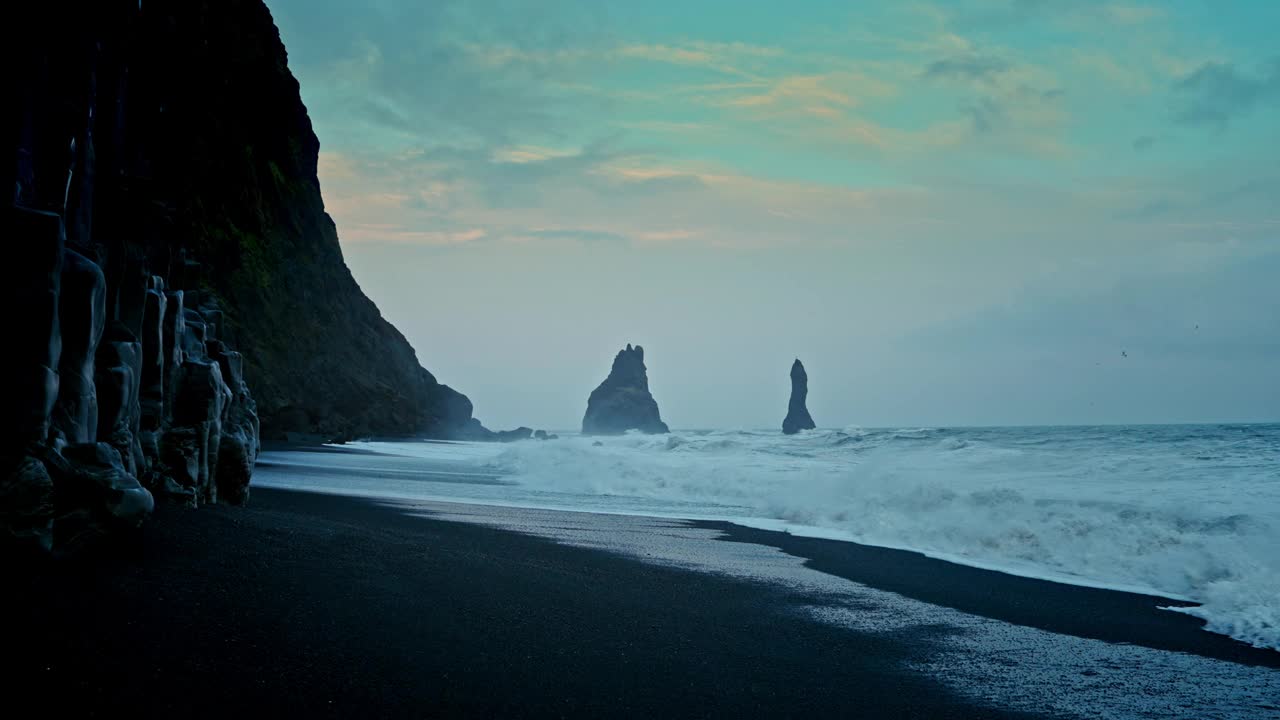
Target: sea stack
798	417
622	402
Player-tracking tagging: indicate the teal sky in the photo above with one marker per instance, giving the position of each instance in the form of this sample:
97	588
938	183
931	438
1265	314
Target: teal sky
954	213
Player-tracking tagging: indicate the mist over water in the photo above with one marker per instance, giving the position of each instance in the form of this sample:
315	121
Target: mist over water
1191	512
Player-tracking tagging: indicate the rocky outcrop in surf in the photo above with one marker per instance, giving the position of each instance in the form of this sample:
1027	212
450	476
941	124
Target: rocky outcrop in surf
623	402
798	417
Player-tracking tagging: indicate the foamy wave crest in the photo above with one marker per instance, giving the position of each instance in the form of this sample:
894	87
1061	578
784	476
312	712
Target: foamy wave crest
1140	515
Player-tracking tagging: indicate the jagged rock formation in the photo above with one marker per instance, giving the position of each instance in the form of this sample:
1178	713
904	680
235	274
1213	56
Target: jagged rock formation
119	392
206	175
94	431
798	417
161	208
623	402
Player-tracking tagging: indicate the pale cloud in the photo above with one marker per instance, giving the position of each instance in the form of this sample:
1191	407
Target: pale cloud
1127	14
397	234
1215	93
502	55
1125	76
971	66
858	131
739	49
666	126
805	91
735	58
1006	104
336	166
642	174
666	53
528	154
1079	15
666	235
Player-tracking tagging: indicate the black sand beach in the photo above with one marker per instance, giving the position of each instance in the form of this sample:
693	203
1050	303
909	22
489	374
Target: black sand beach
1107	615
314	605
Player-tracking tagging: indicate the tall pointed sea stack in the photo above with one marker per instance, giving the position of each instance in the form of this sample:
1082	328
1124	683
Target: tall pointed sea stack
798	417
622	402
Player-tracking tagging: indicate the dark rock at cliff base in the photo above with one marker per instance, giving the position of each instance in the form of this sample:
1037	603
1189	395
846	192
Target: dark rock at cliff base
151	388
238	446
118	372
797	414
26	503
623	402
93	476
30	283
82	320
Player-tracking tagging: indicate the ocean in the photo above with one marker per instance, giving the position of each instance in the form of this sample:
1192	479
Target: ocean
1189	512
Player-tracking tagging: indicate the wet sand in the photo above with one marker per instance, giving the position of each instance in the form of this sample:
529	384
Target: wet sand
315	605
318	605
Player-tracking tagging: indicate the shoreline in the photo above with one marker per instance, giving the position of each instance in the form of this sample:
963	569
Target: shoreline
1159	628
1110	615
332	605
1095	612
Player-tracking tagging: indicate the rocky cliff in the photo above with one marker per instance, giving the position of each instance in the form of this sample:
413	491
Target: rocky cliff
798	417
171	275
623	402
213	176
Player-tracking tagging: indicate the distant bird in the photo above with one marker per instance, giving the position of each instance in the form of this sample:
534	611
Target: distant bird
1124	354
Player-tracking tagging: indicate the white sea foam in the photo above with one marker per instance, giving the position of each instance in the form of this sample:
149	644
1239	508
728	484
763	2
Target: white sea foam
1190	513
1009	666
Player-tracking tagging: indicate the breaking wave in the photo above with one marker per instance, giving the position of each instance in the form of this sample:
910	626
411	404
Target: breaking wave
1191	513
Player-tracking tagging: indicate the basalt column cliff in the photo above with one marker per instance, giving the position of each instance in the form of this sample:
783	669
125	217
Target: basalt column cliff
171	275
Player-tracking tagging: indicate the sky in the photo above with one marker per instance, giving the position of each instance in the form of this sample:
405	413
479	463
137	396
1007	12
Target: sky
980	212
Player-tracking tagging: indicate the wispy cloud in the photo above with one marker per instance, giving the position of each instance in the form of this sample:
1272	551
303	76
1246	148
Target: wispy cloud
397	234
1076	14
968	67
477	120
1128	14
1217	92
1104	64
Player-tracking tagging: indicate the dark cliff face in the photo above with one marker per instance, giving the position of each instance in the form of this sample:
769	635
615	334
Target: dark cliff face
623	402
218	185
798	417
233	140
170	271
